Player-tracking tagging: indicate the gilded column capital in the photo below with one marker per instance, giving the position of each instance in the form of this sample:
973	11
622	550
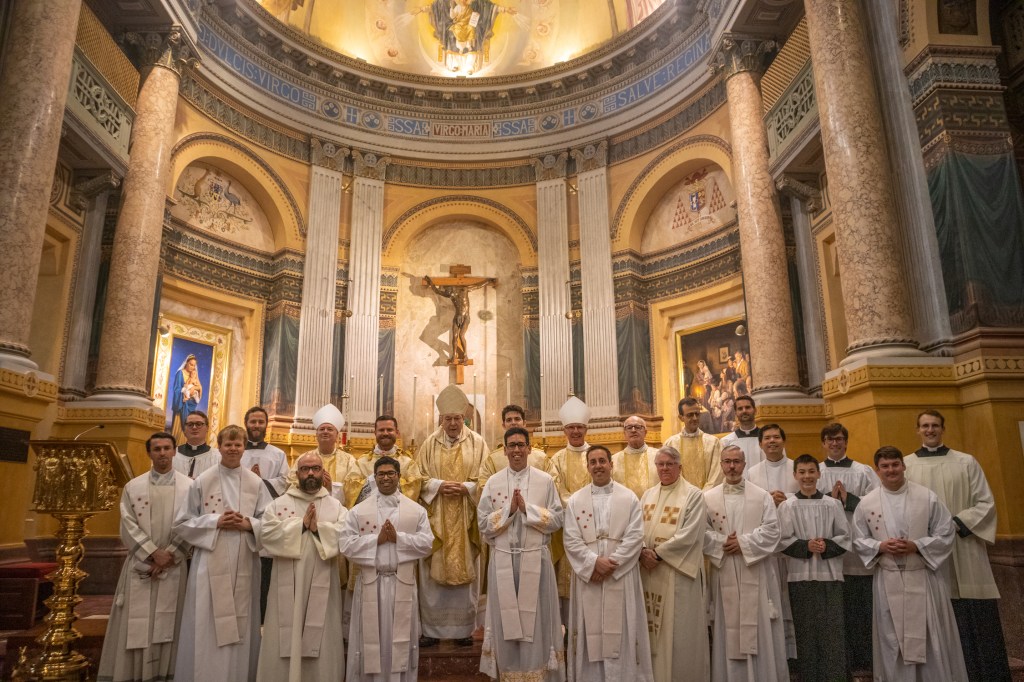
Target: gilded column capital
328	154
736	53
787	184
369	165
590	156
551	166
169	48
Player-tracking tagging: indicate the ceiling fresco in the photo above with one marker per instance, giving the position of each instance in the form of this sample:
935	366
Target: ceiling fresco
462	38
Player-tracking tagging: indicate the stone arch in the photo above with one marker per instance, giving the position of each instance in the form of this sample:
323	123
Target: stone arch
664	171
467	207
262	181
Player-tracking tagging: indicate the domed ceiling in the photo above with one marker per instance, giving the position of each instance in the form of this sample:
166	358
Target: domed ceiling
467	38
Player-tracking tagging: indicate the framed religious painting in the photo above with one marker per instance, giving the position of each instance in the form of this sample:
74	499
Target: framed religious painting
190	373
713	362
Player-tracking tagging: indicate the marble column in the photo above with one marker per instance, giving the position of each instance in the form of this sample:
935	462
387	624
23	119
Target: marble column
91	196
552	275
135	261
362	332
878	312
910	181
319	283
803	201
36	69
762	244
601	369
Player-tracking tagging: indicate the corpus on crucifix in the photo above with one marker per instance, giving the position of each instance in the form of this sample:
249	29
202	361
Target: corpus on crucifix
456	288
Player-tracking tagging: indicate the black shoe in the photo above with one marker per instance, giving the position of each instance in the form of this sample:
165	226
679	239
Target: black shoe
427	642
465	641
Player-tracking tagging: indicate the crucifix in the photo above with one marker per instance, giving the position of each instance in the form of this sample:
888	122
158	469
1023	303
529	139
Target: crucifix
456	288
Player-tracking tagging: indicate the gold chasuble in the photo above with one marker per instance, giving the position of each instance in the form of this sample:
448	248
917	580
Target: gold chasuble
452	518
634	468
700	453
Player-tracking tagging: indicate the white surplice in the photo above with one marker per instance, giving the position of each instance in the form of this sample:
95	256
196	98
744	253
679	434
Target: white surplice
523	630
608	637
302	633
675	517
859	480
960	484
384	633
915	632
772	476
142	634
746	600
220	625
750	445
191	462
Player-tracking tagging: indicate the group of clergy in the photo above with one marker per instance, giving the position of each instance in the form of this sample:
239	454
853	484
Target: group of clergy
706	559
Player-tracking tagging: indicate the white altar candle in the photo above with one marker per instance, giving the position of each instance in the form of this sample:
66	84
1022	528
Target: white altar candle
473	424
413	432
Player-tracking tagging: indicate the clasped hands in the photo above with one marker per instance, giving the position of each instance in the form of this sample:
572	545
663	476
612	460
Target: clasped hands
453	488
387	533
603	569
309	519
897	547
161	560
517	502
648	558
232	520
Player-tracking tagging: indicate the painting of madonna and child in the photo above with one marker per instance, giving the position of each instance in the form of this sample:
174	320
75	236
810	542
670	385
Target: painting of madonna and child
714	368
188	383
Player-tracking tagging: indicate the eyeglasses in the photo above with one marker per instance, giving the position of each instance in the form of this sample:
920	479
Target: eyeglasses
386	474
835	439
732	462
516	446
194	425
316	469
635	427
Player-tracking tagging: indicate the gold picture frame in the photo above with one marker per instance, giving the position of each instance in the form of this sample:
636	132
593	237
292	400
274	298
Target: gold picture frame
211	345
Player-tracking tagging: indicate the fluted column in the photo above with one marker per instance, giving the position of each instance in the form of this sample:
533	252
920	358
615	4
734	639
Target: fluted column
135	261
35	76
762	244
910	181
878	312
319	282
552	275
804	200
91	196
363	328
601	370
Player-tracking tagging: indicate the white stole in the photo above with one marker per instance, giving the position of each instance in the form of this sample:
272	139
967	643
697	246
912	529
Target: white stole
739	584
316	607
904	578
369	524
518	618
604	642
139	588
230	576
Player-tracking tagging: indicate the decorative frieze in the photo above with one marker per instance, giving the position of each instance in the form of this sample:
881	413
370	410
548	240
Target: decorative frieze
795	110
328	154
551	166
95	103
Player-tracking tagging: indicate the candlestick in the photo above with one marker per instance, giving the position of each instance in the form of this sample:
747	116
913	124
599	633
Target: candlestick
413	432
508	388
474	403
380	394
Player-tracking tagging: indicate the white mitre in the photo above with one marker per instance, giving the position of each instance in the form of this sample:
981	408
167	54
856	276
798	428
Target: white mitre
452	400
574	411
328	414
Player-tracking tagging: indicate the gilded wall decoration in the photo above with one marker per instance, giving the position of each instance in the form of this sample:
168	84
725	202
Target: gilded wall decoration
462	37
700	203
216	202
190	372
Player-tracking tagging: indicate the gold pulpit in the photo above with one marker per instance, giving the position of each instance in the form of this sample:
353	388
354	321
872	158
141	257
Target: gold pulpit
74	480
